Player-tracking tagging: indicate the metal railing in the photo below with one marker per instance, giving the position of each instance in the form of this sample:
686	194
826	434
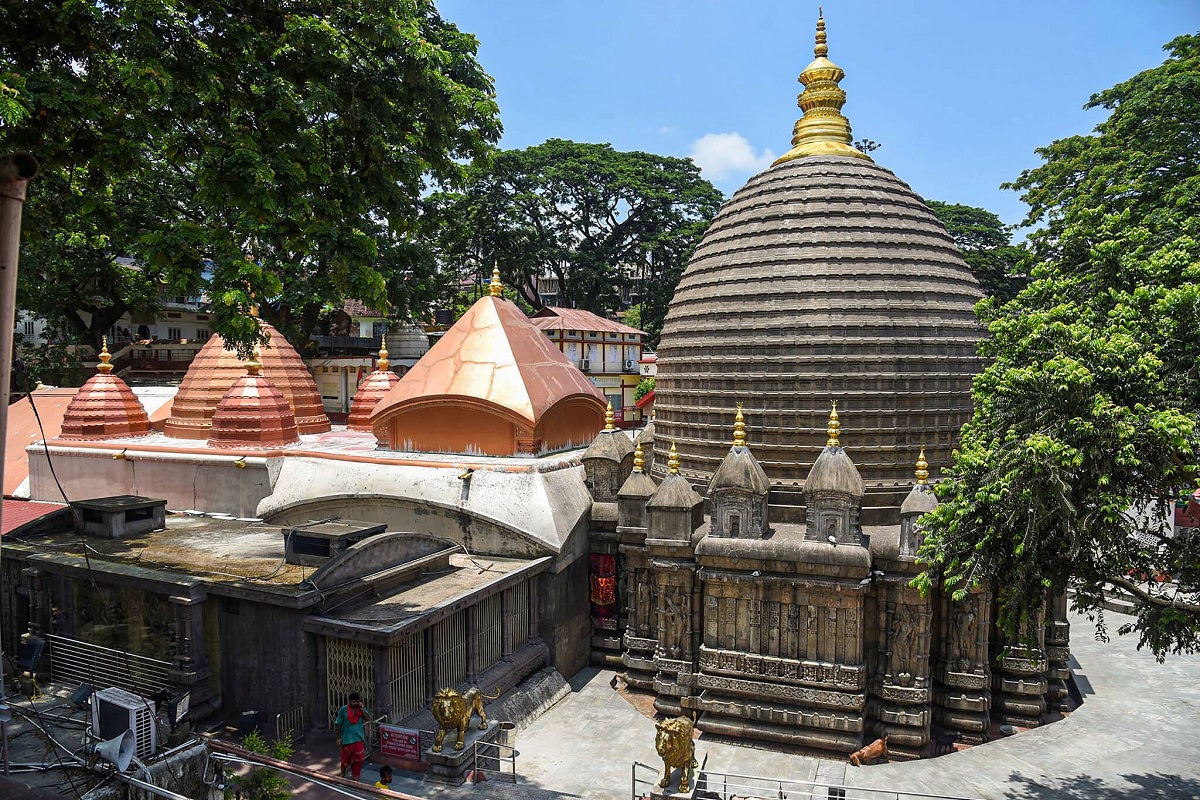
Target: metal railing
725	786
76	661
291	725
492	756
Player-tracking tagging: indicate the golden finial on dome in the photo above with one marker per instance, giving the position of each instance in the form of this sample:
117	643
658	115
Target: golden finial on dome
608	418
834	425
822	130
639	459
673	461
382	361
495	288
739	428
922	469
104	367
254	365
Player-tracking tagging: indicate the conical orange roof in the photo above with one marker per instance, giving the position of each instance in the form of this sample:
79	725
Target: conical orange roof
372	390
216	369
492	362
104	407
253	413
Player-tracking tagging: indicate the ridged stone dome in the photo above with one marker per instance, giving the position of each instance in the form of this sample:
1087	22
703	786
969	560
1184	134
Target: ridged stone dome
824	278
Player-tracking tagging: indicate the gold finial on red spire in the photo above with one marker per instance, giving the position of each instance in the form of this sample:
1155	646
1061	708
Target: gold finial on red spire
495	288
104	367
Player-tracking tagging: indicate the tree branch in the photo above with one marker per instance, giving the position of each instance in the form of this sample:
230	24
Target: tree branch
1157	600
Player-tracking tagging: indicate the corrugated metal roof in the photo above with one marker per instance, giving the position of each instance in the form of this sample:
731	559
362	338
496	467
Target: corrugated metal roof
21	512
552	318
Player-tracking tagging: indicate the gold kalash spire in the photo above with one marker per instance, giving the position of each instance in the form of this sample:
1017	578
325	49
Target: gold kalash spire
739	428
834	426
608	418
822	131
673	461
922	472
639	459
104	367
495	288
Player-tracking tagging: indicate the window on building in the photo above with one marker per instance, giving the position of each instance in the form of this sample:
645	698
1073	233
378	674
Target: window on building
202	335
174	334
30	327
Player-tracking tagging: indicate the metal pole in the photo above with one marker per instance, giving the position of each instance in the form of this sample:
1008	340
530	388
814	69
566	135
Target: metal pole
16	170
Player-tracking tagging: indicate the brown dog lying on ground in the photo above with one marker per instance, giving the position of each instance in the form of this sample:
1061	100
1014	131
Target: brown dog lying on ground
875	750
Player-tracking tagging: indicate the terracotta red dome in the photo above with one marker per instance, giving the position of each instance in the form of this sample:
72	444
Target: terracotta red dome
253	413
104	408
216	369
372	390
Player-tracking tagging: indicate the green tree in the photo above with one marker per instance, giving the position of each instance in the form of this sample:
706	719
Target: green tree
645	386
986	245
268	153
1086	420
598	220
261	783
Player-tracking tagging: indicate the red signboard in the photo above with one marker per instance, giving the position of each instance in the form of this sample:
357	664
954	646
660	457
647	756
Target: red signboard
399	742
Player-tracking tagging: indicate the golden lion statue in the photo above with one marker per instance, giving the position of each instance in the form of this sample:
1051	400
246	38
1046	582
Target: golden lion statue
454	710
673	740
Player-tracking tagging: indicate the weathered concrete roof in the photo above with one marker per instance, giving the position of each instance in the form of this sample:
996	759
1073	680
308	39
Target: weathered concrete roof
835	472
674	493
740	470
822	278
639	485
612	445
920	500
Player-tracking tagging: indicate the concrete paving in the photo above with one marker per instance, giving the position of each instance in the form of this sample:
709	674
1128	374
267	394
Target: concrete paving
1135	735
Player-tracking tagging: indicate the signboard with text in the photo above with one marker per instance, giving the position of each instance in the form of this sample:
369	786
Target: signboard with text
400	742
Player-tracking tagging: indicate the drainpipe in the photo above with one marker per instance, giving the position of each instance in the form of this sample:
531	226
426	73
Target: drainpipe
15	171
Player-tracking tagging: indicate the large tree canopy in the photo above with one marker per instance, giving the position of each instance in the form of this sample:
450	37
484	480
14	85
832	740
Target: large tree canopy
598	220
1086	421
267	152
986	245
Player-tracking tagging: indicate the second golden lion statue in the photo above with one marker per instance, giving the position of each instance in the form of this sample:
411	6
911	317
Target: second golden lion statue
673	740
453	710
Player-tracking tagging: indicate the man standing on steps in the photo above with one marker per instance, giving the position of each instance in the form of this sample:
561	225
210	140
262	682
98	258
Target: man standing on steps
350	724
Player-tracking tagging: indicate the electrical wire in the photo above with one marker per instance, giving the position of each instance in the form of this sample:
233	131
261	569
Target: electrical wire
57	744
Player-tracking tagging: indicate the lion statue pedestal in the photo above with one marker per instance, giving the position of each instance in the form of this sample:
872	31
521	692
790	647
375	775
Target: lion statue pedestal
451	766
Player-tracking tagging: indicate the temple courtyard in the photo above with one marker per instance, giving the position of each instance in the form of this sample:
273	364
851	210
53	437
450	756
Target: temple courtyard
1134	736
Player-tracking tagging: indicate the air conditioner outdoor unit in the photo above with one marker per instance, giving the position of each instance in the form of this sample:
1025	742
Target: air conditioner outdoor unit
628	365
115	710
585	365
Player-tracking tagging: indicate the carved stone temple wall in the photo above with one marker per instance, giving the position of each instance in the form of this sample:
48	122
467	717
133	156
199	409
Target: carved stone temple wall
806	634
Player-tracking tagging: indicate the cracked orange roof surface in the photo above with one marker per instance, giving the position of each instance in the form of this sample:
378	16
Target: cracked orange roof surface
493	353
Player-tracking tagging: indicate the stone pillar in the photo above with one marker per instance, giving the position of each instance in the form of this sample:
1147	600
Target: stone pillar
190	671
1020	683
383	684
1058	652
903	685
963	694
34	584
472	644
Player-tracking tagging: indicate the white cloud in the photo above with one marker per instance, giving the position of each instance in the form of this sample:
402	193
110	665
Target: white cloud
720	155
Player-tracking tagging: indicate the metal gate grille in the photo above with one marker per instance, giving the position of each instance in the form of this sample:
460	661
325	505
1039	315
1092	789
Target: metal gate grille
349	667
489	641
76	661
450	647
516	602
406	664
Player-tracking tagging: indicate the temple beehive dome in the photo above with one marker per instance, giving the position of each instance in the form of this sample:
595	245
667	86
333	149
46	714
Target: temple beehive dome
104	407
216	369
253	414
824	277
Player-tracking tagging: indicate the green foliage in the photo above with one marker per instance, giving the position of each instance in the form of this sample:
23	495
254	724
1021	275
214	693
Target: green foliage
269	153
598	220
986	245
645	386
1089	413
466	298
261	783
53	363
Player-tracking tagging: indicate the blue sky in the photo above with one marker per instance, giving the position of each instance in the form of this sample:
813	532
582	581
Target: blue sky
958	93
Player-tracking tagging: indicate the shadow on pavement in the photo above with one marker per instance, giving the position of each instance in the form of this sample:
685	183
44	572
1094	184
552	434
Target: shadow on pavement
1085	787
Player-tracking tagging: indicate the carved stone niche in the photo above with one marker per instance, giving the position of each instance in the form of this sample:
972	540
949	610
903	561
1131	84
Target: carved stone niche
832	517
908	640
